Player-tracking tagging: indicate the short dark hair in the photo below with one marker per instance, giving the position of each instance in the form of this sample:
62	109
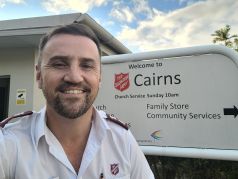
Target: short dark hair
71	29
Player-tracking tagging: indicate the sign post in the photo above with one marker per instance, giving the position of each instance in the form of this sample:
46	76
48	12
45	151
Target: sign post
178	102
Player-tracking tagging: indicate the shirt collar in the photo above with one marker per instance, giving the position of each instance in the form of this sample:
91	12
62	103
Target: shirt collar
99	124
99	120
40	125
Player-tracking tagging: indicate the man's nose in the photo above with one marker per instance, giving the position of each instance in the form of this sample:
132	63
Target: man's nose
74	75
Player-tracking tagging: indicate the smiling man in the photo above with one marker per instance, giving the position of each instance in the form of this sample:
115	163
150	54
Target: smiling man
69	138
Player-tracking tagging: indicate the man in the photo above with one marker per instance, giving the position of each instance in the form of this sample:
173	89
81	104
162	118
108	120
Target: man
69	138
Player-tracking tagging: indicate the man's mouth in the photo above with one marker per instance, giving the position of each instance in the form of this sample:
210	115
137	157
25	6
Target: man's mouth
74	91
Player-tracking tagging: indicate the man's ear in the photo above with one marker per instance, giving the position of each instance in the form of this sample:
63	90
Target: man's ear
100	81
38	76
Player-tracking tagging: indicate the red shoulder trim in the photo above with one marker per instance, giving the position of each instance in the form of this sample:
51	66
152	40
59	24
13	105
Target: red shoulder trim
117	121
5	121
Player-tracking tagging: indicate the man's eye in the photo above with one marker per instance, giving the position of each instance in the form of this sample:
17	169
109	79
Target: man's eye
87	65
58	65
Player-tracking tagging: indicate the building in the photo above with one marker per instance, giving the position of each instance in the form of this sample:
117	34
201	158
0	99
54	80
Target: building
18	55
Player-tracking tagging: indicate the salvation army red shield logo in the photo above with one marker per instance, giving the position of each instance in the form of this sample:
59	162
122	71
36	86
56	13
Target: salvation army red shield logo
115	168
122	81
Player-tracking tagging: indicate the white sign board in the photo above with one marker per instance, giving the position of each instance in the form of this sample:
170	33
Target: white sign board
180	100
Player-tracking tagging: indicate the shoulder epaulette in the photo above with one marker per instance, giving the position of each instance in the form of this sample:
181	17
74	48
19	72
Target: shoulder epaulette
117	121
5	121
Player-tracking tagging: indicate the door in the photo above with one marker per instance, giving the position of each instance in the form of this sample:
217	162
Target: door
4	96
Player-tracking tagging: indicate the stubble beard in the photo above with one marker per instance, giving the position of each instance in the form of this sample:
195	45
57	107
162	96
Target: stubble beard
73	110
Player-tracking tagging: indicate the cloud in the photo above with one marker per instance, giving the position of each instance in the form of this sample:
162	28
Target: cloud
142	7
187	2
59	6
122	14
129	11
16	1
4	2
189	26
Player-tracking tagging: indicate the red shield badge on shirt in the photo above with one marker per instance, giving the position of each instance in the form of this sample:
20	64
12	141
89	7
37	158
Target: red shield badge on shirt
115	168
121	81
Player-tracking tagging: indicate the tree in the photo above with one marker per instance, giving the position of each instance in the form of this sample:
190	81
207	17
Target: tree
223	35
188	168
236	44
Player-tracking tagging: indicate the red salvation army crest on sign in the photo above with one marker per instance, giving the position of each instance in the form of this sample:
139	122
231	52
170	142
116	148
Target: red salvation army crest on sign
115	168
122	81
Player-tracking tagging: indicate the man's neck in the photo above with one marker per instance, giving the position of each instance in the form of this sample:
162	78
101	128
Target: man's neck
71	133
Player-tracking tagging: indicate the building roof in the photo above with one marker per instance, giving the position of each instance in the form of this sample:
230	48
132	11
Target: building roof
28	31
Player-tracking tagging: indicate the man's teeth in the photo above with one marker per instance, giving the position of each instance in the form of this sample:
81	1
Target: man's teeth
73	92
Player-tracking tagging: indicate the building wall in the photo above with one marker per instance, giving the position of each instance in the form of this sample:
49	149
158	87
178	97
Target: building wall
38	97
18	63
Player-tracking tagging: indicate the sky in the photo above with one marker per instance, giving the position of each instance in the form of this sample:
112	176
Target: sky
141	25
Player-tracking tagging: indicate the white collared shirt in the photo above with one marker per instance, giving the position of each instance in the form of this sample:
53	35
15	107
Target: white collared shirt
28	149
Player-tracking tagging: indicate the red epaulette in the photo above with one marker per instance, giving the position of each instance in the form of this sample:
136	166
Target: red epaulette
117	121
5	121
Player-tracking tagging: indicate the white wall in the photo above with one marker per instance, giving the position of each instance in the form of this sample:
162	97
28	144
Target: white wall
19	64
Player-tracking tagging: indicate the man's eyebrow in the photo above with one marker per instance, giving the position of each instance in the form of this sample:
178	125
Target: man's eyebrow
87	59
59	57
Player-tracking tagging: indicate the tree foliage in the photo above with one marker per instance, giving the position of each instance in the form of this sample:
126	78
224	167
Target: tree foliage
224	37
188	168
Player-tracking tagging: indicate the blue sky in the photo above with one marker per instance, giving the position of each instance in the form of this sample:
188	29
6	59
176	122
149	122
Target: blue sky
141	25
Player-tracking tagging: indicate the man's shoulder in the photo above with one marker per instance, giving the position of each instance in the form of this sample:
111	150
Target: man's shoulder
115	121
18	121
112	121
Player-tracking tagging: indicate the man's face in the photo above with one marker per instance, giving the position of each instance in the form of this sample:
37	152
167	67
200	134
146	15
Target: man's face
69	74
